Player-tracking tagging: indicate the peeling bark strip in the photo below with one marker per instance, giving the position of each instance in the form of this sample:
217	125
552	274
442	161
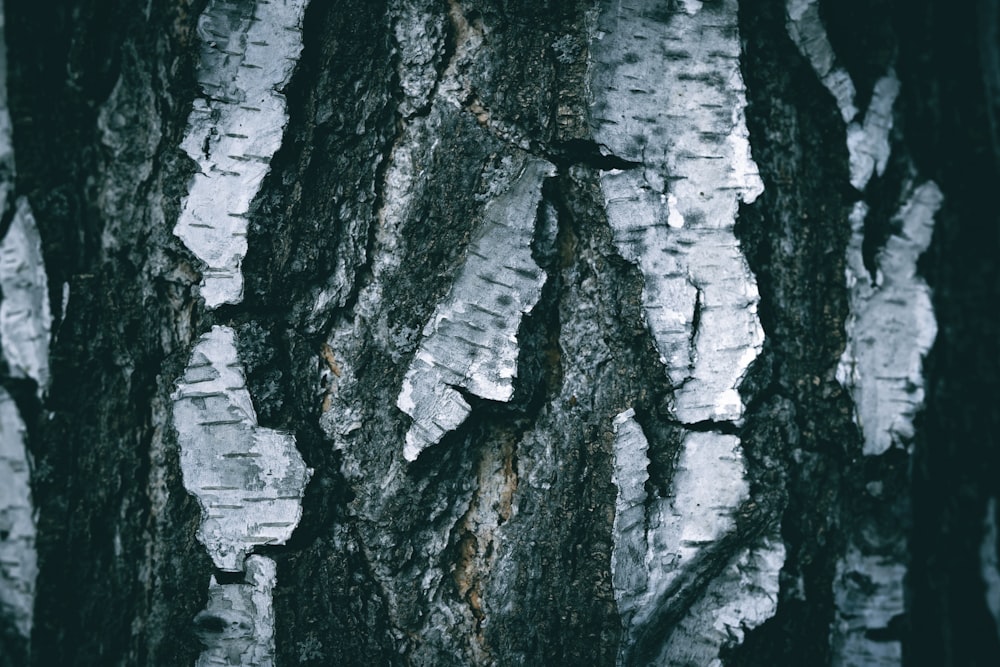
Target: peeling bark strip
668	95
806	29
248	479
674	215
892	325
889	331
25	323
248	53
18	559
25	318
662	547
868	593
470	343
628	559
237	625
867	138
543	530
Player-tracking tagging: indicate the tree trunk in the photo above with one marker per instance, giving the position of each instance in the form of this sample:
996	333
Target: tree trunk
478	332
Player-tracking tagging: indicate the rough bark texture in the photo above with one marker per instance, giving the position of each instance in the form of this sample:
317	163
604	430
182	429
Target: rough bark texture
499	332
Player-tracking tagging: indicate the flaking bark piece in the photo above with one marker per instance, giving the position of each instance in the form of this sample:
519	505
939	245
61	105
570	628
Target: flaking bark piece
668	95
237	624
248	479
892	324
678	110
25	316
248	53
18	556
470	343
662	545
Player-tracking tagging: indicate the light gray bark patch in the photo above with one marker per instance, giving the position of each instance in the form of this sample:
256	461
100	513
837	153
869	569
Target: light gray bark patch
25	317
889	330
18	557
418	26
677	106
629	570
867	137
248	53
805	27
470	342
668	94
248	479
25	325
237	624
868	594
708	486
657	542
892	326
741	597
868	140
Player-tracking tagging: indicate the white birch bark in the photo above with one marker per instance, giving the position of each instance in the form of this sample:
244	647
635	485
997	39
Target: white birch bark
498	263
889	331
25	318
470	343
248	53
25	325
237	625
249	480
669	97
18	559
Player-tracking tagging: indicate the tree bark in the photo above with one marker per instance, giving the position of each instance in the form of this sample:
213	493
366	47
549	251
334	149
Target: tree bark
476	332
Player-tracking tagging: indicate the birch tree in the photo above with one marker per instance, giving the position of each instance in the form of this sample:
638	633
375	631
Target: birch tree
497	332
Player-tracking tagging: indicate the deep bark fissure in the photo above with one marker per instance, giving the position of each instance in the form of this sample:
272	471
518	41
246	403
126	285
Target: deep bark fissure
797	365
